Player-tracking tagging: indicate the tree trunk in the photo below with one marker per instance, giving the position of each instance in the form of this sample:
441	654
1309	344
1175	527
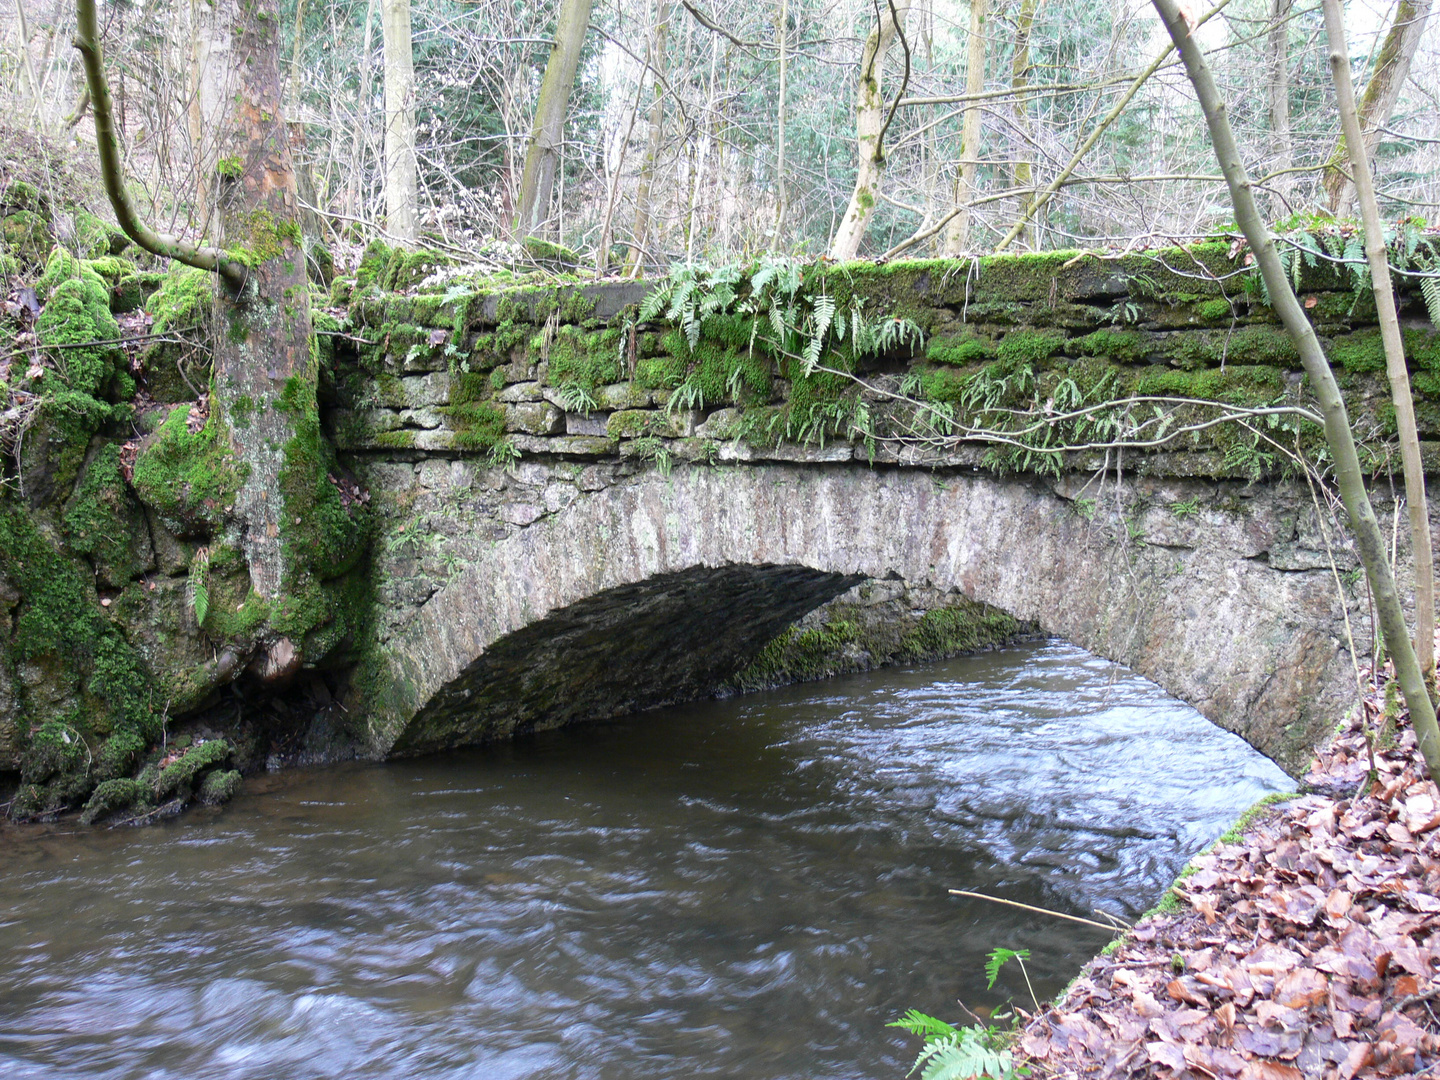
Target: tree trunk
27	63
782	33
1392	68
1394	344
957	232
644	211
1024	175
870	120
1278	84
548	134
399	121
362	109
1368	538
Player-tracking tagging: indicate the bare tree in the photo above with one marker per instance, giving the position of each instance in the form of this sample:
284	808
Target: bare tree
1392	68
871	121
1348	476
399	121
548	134
957	233
1394	345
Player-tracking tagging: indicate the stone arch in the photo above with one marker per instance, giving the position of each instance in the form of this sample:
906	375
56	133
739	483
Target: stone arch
1200	607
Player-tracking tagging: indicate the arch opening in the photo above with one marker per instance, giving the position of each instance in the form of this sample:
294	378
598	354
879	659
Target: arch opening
669	638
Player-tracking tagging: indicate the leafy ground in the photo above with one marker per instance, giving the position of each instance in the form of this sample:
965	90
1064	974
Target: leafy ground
1307	948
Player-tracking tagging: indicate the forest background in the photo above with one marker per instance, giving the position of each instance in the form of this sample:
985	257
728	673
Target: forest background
708	133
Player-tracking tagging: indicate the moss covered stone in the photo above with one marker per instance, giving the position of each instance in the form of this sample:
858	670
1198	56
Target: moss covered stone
103	522
188	477
219	786
27	237
181	772
182	310
110	798
962	351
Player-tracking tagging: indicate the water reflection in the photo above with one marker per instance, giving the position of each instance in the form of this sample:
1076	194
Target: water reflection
744	888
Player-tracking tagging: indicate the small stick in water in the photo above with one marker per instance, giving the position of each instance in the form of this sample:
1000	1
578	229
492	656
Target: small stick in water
1040	910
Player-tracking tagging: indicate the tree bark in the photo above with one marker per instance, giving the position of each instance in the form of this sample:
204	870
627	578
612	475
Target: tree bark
262	390
548	134
1348	477
1392	68
644	212
362	107
957	232
1278	86
1024	174
870	122
112	172
1394	344
782	34
399	121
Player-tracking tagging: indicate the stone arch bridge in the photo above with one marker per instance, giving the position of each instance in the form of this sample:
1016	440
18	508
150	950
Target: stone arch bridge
656	588
638	554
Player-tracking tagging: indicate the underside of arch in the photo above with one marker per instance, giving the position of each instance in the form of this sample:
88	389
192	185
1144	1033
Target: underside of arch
672	637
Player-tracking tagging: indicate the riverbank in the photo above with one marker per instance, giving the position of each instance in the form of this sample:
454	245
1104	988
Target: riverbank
1303	944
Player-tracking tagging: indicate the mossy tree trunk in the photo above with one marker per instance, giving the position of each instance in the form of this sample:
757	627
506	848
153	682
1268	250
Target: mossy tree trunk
957	232
1341	440
870	124
1394	344
1392	68
542	159
289	523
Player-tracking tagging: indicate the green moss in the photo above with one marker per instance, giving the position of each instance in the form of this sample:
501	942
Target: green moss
60	625
588	359
62	266
372	264
260	237
110	798
99	519
1237	384
1121	346
219	787
188	766
1021	348
478	425
189	478
961	627
78	317
1360	352
664	372
1217	310
960	351
943	385
798	655
1009	278
635	424
96	237
27	236
543	251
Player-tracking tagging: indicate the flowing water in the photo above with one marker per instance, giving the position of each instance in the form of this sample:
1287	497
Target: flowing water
747	888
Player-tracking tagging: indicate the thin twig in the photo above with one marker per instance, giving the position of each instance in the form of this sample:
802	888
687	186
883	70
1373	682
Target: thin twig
1039	910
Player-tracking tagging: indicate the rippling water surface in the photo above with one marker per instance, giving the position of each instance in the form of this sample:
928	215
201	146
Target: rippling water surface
747	888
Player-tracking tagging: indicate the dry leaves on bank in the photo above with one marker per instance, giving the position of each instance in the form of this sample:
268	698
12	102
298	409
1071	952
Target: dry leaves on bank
1308	949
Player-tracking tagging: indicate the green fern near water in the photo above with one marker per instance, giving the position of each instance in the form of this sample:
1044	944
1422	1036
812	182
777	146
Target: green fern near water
952	1053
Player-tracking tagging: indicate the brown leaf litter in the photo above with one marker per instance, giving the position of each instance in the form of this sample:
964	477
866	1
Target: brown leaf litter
1307	949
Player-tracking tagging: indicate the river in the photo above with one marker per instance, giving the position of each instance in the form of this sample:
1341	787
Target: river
747	888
